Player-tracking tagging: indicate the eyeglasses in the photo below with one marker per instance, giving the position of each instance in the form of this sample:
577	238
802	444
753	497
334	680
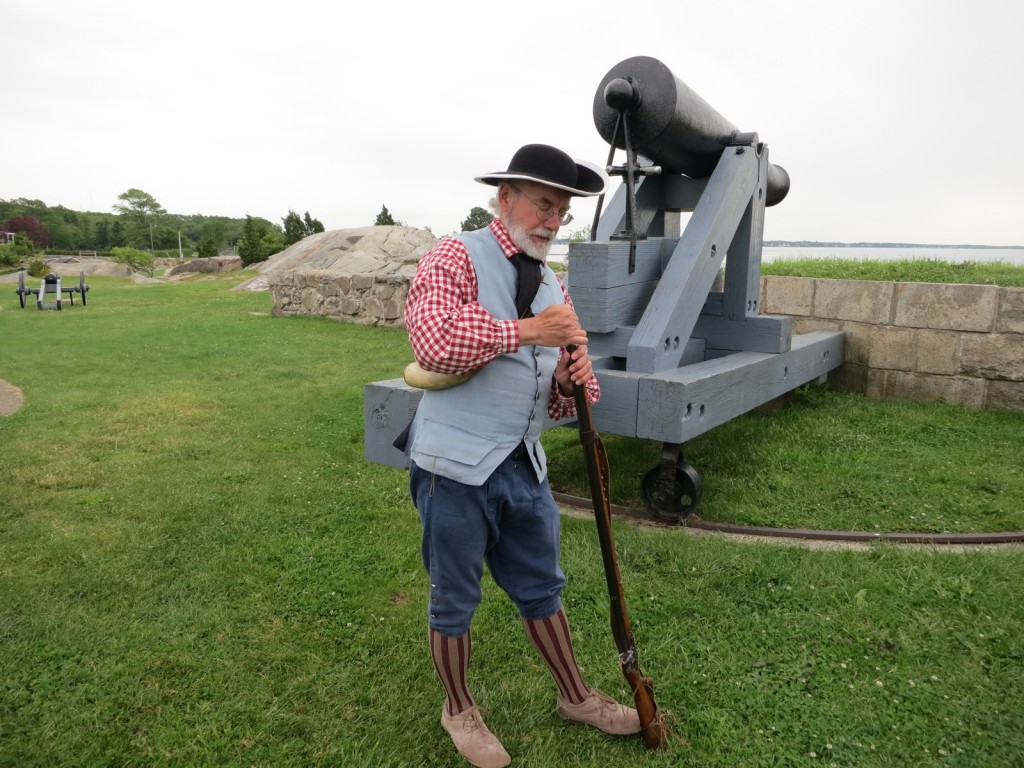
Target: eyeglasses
546	210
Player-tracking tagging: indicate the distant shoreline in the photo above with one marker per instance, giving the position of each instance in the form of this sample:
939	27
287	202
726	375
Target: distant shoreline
827	244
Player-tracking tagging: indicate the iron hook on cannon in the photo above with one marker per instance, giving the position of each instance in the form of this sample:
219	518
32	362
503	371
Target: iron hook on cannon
620	95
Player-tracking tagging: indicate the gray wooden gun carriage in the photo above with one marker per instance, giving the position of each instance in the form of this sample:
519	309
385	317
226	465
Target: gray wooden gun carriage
50	293
677	350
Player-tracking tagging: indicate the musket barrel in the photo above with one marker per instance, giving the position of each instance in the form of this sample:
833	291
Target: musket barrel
670	123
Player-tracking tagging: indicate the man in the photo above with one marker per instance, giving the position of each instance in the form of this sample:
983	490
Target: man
485	304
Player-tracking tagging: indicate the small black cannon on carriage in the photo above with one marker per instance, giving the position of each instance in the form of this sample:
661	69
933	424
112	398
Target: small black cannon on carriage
50	293
672	317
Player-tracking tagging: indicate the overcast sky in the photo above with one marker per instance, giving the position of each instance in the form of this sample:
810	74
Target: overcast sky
898	120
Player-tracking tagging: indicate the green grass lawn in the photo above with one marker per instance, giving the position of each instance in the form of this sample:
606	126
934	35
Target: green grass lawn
198	568
836	461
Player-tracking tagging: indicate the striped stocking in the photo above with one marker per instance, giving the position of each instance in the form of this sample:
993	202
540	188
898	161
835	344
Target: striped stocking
451	660
551	637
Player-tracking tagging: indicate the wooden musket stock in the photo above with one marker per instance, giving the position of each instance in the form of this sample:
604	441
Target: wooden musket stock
652	724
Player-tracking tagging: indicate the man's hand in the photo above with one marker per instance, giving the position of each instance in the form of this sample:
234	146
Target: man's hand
571	368
556	326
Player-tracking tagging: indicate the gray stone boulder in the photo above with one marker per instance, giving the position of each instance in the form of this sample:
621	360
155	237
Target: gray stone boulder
358	275
208	265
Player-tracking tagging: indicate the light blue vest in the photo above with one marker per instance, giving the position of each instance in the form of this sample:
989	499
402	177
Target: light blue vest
466	431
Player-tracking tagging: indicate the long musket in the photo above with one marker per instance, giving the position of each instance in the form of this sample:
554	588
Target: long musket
652	721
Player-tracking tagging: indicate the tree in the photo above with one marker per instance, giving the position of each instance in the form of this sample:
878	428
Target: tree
117	235
70	230
312	225
249	245
384	218
478	219
139	208
139	205
213	231
295	228
33	228
101	240
206	249
580	235
164	238
259	240
138	260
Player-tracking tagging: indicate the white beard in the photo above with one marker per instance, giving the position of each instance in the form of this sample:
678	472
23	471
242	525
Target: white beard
521	237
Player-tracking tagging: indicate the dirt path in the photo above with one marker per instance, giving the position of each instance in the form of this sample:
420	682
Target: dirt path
10	398
581	509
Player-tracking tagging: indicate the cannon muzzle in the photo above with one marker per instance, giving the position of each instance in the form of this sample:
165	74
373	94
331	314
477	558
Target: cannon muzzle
669	123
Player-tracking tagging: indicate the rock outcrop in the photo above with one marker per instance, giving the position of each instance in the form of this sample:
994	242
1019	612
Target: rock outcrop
357	275
206	266
71	266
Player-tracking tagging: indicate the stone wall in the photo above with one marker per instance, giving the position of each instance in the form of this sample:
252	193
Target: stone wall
363	299
914	341
904	341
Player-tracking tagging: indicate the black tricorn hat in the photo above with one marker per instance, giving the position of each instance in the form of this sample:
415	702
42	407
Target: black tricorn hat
548	165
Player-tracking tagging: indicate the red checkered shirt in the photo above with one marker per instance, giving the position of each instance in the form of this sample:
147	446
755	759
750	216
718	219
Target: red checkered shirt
451	332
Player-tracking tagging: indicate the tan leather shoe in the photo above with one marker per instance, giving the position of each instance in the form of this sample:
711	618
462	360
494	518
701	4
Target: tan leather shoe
474	742
602	712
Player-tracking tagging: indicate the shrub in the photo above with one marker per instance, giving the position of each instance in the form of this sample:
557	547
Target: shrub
13	254
206	249
138	260
37	268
